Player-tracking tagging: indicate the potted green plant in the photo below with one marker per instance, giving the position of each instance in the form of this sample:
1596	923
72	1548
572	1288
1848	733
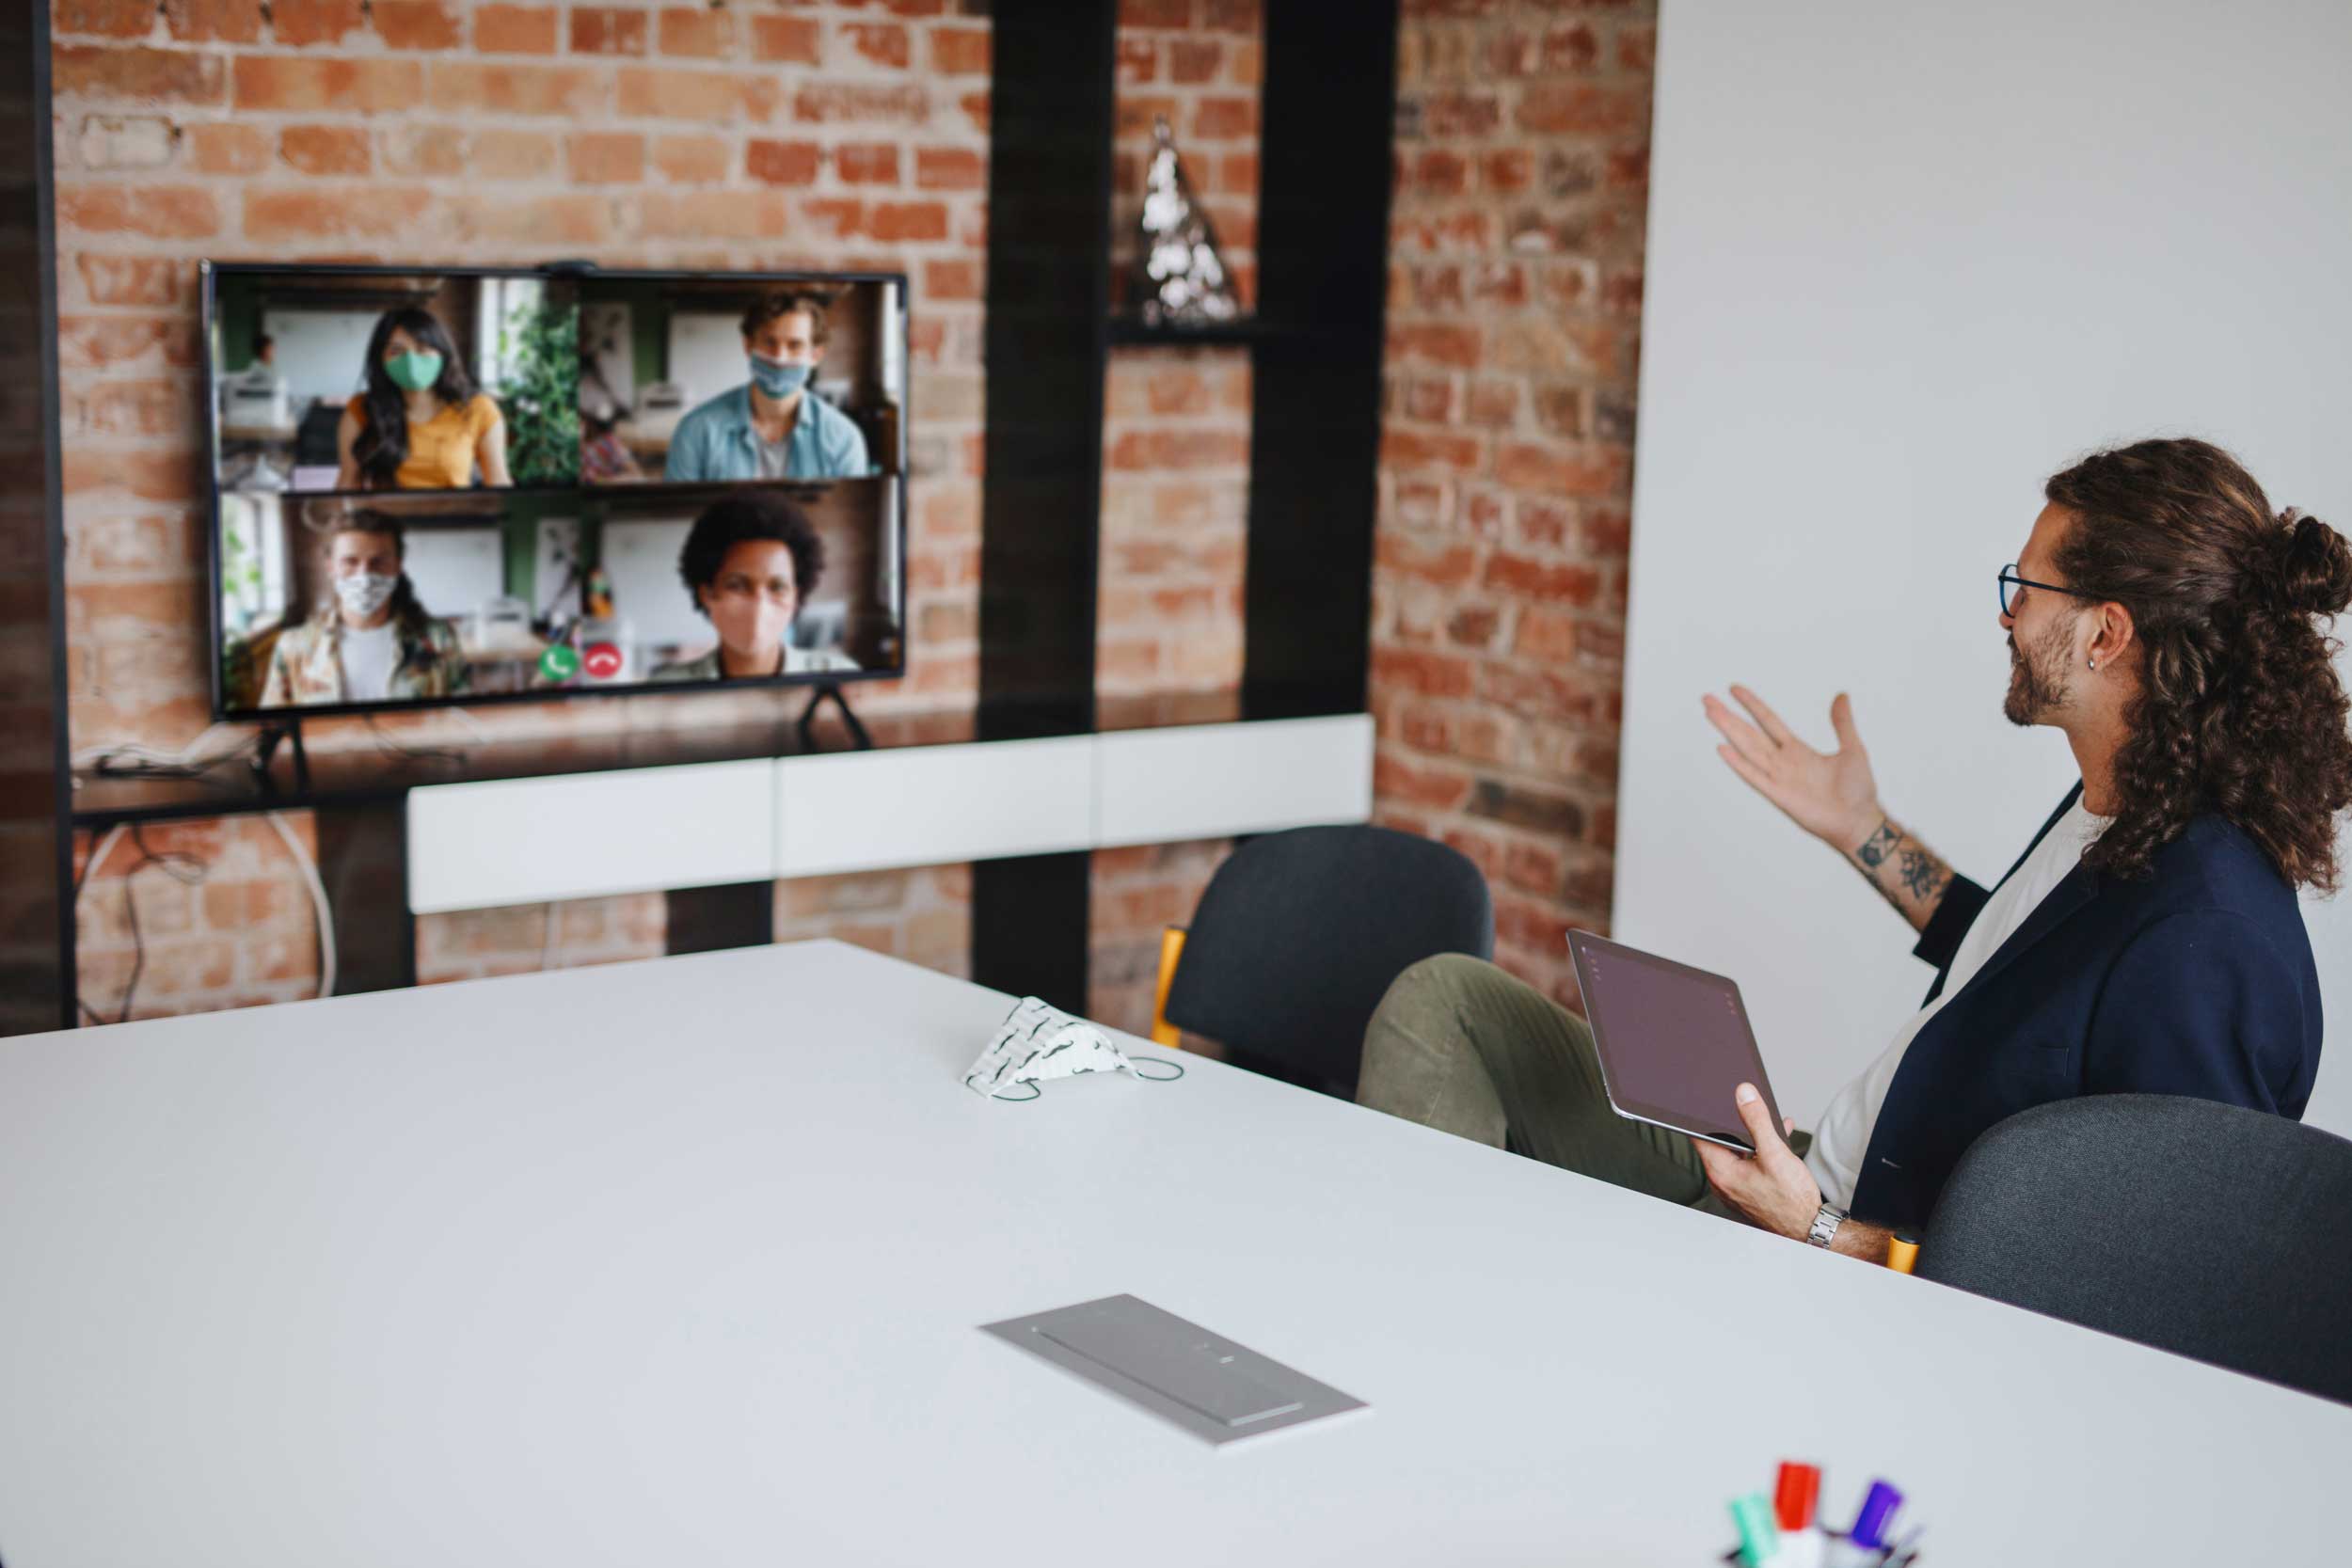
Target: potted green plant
540	396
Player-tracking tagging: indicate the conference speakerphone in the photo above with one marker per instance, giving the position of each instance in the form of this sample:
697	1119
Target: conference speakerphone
1211	1386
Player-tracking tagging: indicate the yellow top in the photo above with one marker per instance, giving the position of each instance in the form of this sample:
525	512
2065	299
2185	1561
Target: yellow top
441	449
1903	1254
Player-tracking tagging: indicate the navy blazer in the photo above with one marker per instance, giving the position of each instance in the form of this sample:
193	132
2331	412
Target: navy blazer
2197	980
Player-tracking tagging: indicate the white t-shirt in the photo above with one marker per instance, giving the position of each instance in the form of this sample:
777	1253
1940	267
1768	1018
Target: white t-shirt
367	659
1844	1134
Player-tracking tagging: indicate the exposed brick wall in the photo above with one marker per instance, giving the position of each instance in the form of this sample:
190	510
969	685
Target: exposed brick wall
923	916
439	129
1197	64
1176	425
1514	298
855	134
1175	521
1175	451
1136	893
246	933
831	135
473	944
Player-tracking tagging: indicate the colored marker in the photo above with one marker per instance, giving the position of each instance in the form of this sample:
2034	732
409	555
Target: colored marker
1794	1500
1878	1512
1794	1497
1758	1538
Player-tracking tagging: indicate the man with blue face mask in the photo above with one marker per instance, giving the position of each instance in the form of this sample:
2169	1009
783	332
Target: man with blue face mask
774	426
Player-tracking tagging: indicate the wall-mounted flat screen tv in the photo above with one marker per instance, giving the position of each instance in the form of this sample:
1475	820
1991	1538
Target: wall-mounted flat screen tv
438	485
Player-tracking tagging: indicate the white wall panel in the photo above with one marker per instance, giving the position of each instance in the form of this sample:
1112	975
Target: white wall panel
1904	263
933	805
1209	781
519	841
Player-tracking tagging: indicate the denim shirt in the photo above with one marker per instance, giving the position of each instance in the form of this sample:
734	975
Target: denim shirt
715	441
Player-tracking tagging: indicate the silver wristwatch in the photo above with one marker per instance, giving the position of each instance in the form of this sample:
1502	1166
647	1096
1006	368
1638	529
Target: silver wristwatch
1825	1224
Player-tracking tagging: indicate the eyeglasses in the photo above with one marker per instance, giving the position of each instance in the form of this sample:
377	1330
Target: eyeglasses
2011	580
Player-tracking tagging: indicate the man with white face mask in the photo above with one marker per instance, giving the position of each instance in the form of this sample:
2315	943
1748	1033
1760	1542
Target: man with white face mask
774	426
371	642
750	563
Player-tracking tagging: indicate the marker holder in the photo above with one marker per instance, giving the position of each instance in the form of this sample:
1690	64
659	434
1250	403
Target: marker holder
1838	1553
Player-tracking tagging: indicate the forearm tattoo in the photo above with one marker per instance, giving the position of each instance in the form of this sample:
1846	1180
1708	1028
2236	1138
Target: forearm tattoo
1923	875
1915	881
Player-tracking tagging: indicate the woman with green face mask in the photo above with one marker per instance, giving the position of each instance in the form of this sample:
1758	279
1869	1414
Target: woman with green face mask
421	425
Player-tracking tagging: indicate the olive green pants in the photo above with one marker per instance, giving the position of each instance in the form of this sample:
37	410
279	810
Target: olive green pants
1460	1046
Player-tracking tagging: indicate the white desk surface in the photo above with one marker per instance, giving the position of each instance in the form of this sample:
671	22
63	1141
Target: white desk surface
683	1263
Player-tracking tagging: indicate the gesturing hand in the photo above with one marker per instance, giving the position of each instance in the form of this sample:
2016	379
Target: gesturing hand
1772	1189
1832	796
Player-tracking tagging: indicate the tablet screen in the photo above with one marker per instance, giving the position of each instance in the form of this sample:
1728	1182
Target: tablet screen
1674	1041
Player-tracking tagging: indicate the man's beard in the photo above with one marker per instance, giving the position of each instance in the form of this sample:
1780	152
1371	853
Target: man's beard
2040	677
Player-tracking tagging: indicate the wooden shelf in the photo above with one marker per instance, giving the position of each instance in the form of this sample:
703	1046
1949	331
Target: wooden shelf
364	775
369	775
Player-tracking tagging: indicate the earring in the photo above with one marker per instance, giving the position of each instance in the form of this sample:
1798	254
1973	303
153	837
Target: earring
2094	664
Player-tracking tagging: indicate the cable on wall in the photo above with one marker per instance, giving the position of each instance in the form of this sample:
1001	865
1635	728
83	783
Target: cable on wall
385	739
89	869
137	759
318	902
178	865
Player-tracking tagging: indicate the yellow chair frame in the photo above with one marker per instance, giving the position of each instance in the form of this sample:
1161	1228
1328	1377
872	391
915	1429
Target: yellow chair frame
1172	949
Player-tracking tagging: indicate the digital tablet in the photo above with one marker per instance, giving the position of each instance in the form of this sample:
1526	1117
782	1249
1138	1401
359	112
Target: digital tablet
1674	1041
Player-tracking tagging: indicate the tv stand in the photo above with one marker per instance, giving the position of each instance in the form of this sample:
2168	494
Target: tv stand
859	740
272	733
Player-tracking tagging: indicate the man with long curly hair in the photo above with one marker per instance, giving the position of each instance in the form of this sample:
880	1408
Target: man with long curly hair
2148	940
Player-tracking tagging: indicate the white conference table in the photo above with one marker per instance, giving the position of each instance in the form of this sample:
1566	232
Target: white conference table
683	1263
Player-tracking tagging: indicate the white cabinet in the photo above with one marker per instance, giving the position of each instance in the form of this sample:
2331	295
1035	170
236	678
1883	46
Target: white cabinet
1211	780
522	840
933	805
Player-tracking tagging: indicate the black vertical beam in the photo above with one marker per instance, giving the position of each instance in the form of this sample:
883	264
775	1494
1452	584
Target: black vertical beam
1324	164
707	919
1030	920
1049	195
364	866
36	989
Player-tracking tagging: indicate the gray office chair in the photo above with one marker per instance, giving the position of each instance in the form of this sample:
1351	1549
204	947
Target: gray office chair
1300	935
2204	1229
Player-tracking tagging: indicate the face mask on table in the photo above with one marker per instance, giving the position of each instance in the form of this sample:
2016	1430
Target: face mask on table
1037	1042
